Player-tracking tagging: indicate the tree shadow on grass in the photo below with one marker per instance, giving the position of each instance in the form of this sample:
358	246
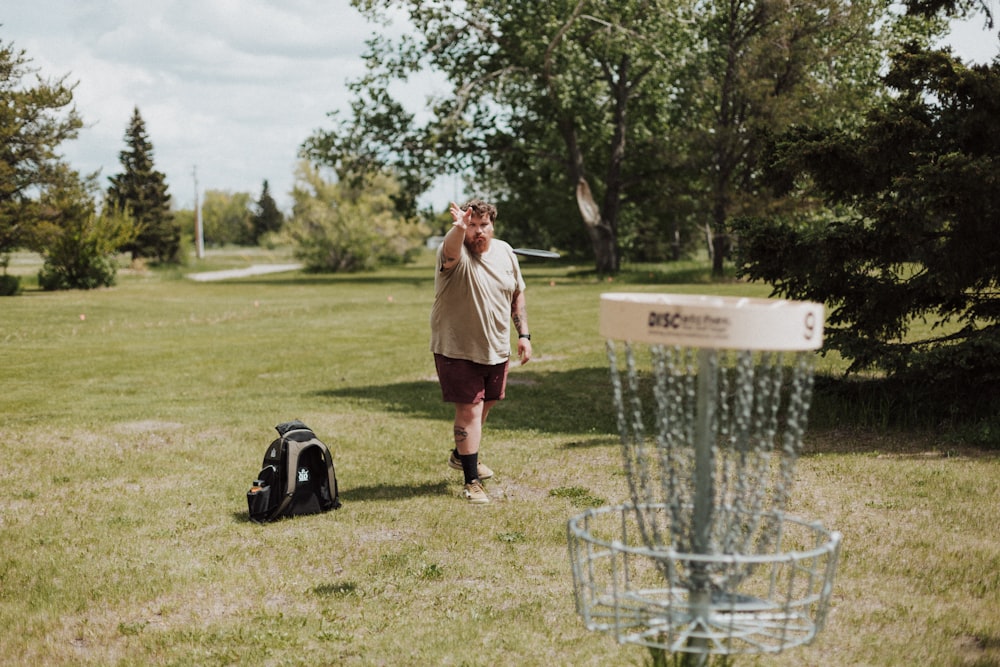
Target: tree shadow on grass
393	491
553	402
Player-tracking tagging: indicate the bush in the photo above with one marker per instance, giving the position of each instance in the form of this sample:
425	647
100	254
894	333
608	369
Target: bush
81	253
9	285
82	272
337	227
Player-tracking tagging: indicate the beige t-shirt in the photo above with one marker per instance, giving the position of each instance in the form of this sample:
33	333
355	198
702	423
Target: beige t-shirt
471	315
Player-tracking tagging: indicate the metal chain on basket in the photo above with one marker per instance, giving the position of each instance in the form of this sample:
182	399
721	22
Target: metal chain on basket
749	492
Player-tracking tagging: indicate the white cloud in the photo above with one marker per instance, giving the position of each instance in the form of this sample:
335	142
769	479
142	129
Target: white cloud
232	87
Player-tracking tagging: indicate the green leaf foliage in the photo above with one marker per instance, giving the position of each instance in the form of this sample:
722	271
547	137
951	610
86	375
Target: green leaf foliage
345	226
227	218
36	116
911	267
79	245
644	120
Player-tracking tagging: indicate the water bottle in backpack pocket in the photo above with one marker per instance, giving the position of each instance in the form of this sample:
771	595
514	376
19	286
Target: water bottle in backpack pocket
259	495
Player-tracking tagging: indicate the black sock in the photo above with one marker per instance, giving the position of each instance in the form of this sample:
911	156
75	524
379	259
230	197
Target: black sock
470	466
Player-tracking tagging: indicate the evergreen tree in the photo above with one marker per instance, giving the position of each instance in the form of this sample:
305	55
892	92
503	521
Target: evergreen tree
909	262
267	218
141	192
36	116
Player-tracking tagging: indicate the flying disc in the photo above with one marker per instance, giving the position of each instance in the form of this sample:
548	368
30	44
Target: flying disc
534	252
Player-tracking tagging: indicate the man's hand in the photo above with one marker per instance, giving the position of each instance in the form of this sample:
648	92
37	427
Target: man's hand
459	217
524	350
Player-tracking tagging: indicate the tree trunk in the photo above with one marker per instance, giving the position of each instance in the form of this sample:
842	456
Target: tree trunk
720	237
720	245
601	234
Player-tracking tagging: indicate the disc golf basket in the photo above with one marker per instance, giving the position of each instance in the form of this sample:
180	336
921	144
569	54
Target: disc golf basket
712	395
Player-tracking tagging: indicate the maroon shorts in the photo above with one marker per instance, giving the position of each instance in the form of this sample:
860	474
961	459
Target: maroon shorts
464	381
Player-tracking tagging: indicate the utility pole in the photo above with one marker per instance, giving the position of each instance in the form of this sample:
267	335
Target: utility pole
199	235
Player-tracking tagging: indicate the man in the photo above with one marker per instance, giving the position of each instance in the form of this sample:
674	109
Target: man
478	290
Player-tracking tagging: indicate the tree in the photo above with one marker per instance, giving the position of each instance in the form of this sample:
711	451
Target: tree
35	119
227	218
141	192
540	88
642	115
349	226
267	218
914	233
769	65
79	246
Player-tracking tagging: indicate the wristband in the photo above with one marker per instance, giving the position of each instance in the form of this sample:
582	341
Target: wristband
528	336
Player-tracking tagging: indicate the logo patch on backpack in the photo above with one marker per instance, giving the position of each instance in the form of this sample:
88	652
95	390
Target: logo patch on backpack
303	475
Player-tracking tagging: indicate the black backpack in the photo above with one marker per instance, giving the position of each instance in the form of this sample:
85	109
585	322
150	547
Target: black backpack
297	476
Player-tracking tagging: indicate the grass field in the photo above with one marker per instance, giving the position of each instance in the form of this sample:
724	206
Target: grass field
134	419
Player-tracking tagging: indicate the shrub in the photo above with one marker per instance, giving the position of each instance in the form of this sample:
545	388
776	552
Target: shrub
9	285
338	227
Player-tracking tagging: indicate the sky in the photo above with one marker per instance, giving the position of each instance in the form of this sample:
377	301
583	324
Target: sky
228	89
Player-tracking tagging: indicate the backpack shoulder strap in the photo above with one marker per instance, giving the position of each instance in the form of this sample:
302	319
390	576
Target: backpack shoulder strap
331	473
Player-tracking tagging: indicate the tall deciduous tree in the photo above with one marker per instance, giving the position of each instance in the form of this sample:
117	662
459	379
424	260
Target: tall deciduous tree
768	65
36	117
542	97
227	218
141	192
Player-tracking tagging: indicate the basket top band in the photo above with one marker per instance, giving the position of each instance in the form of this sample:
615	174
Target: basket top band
716	322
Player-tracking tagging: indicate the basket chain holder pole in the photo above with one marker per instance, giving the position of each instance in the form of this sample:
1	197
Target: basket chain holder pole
704	489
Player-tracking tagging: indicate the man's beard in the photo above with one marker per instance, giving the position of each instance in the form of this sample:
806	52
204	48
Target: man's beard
478	246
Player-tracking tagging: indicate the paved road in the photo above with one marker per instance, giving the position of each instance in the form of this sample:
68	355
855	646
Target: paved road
254	270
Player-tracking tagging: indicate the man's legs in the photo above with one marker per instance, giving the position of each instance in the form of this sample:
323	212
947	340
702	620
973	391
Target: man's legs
473	389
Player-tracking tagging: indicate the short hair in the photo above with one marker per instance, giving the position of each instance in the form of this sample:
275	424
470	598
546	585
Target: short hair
481	208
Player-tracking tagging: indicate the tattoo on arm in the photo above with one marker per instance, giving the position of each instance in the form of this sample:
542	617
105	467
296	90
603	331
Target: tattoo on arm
519	314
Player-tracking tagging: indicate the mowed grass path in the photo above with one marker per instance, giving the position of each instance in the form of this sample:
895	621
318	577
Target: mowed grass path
135	418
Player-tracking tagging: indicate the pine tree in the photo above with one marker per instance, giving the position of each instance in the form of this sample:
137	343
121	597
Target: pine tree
141	191
36	116
267	217
908	260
